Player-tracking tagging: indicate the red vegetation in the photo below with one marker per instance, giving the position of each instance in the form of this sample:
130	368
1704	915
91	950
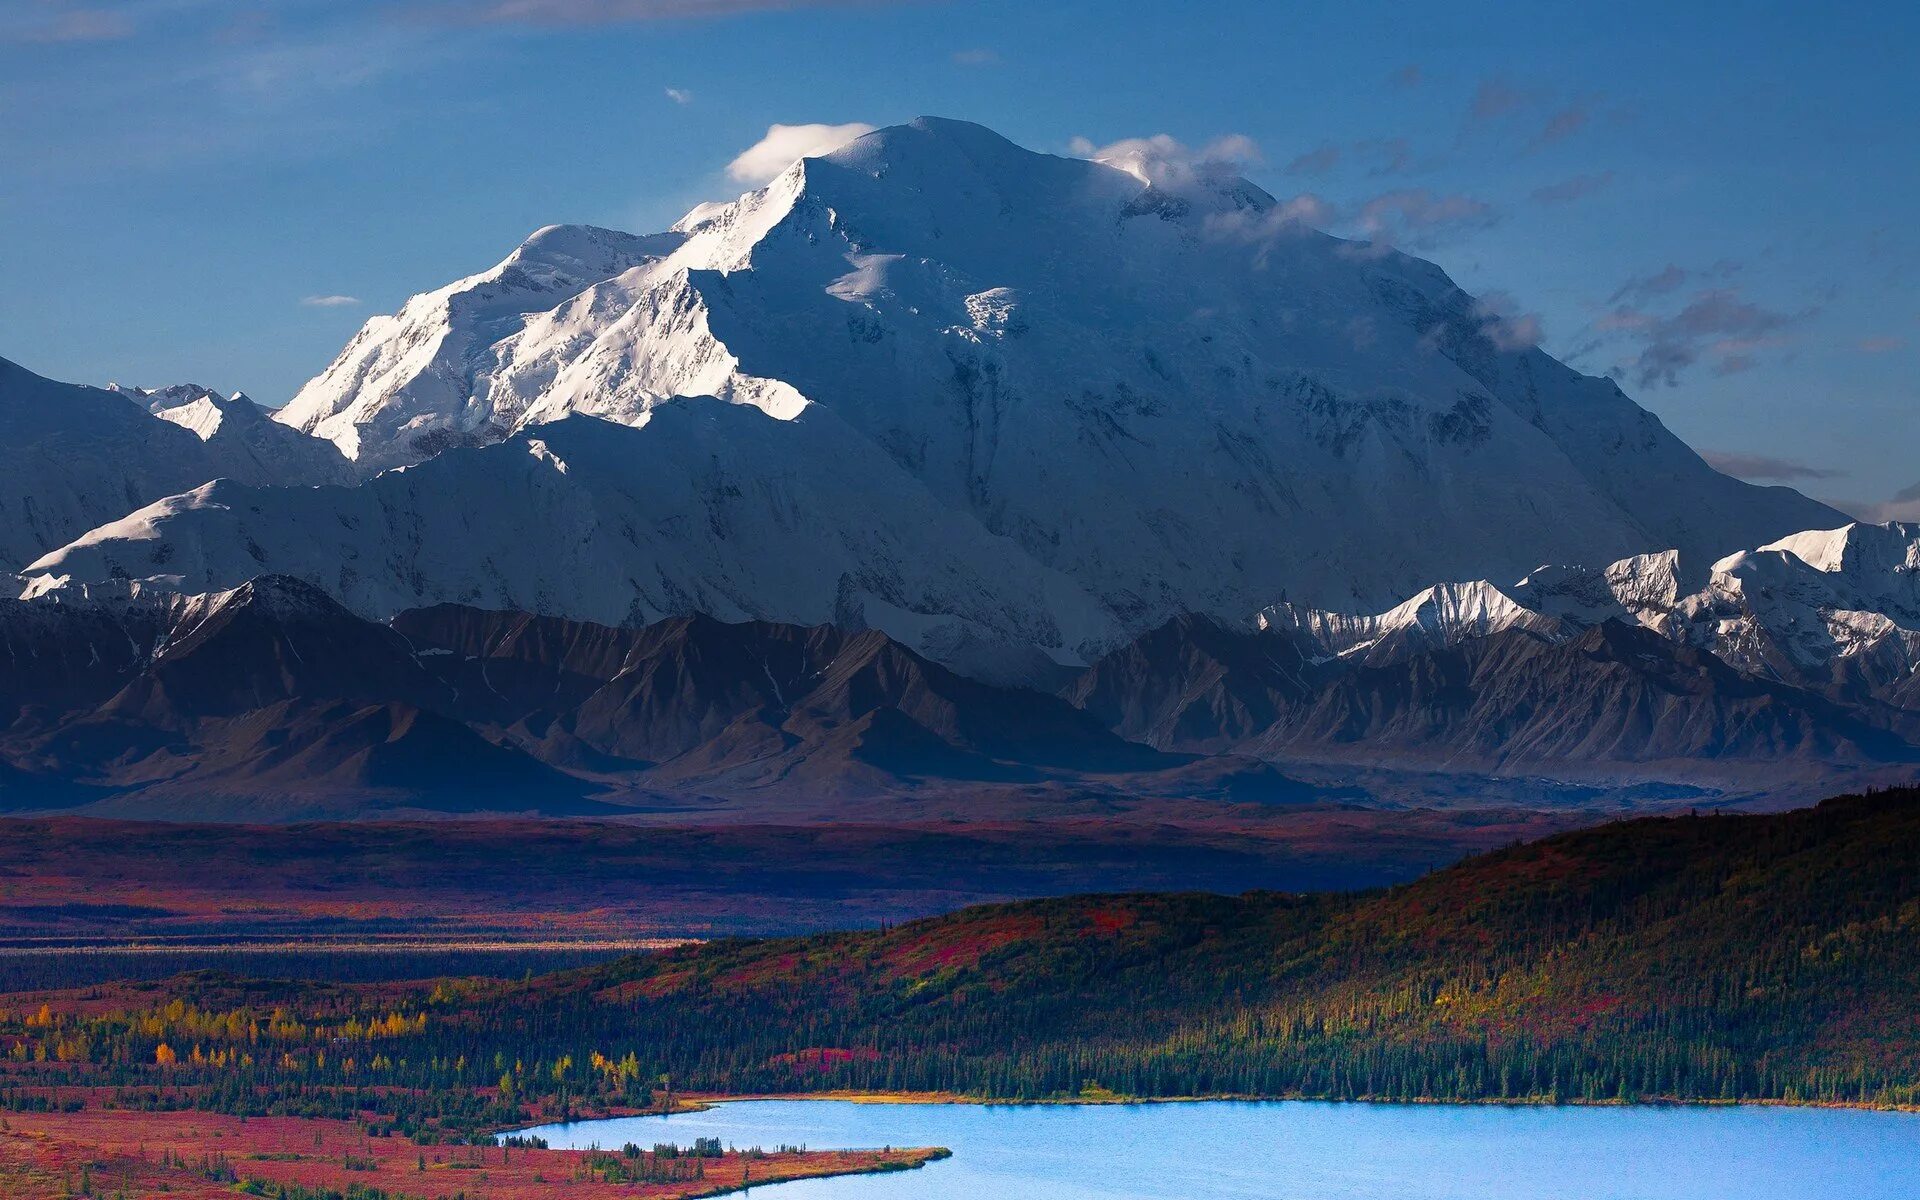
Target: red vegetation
959	944
201	1156
820	1058
1109	921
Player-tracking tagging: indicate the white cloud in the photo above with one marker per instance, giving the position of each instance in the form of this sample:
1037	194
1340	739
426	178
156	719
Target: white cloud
680	95
1165	160
1291	216
329	301
1265	231
980	57
785	145
1505	325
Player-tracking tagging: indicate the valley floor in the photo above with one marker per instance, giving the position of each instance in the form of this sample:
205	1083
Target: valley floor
70	885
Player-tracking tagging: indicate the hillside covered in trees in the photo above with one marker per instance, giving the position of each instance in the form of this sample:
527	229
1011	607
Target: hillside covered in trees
1700	957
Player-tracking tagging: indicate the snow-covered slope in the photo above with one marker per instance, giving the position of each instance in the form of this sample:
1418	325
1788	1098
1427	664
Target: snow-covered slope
404	387
74	457
1443	615
1026	399
162	400
712	508
245	436
1808	609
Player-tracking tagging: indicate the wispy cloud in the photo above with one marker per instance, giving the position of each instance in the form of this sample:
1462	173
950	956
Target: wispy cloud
1167	161
1718	324
1496	98
1421	218
679	95
50	22
1579	187
785	145
1497	103
330	301
1564	124
1763	468
980	56
621	12
1390	156
1381	156
1879	345
1904	505
1642	288
1264	232
1315	162
199	87
1505	325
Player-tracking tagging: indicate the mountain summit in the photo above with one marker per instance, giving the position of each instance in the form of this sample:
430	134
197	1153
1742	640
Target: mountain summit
1006	406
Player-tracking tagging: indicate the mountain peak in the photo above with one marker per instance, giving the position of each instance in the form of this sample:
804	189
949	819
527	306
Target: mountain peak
1893	546
588	252
159	401
1127	399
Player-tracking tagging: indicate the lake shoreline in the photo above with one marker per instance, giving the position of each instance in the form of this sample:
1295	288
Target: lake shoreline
703	1101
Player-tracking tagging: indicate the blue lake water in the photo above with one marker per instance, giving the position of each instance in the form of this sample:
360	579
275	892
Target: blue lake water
1315	1151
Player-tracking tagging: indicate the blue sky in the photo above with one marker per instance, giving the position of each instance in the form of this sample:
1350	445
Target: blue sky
1715	201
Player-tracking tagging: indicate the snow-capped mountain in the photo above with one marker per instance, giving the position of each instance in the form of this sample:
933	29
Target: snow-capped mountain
1795	608
1802	609
159	401
1004	406
245	436
1443	615
74	457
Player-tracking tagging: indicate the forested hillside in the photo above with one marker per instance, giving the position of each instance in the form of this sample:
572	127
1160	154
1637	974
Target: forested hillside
1701	957
1698	957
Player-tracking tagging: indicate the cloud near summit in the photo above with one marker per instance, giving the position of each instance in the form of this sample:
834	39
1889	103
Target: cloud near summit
784	145
1163	158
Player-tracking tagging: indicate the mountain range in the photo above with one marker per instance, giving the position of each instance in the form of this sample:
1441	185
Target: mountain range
73	458
274	702
859	394
936	463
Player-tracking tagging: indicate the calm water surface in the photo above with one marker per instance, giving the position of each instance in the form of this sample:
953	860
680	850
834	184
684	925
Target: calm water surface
1311	1151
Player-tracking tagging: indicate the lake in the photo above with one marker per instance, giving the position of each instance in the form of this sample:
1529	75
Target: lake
1318	1151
